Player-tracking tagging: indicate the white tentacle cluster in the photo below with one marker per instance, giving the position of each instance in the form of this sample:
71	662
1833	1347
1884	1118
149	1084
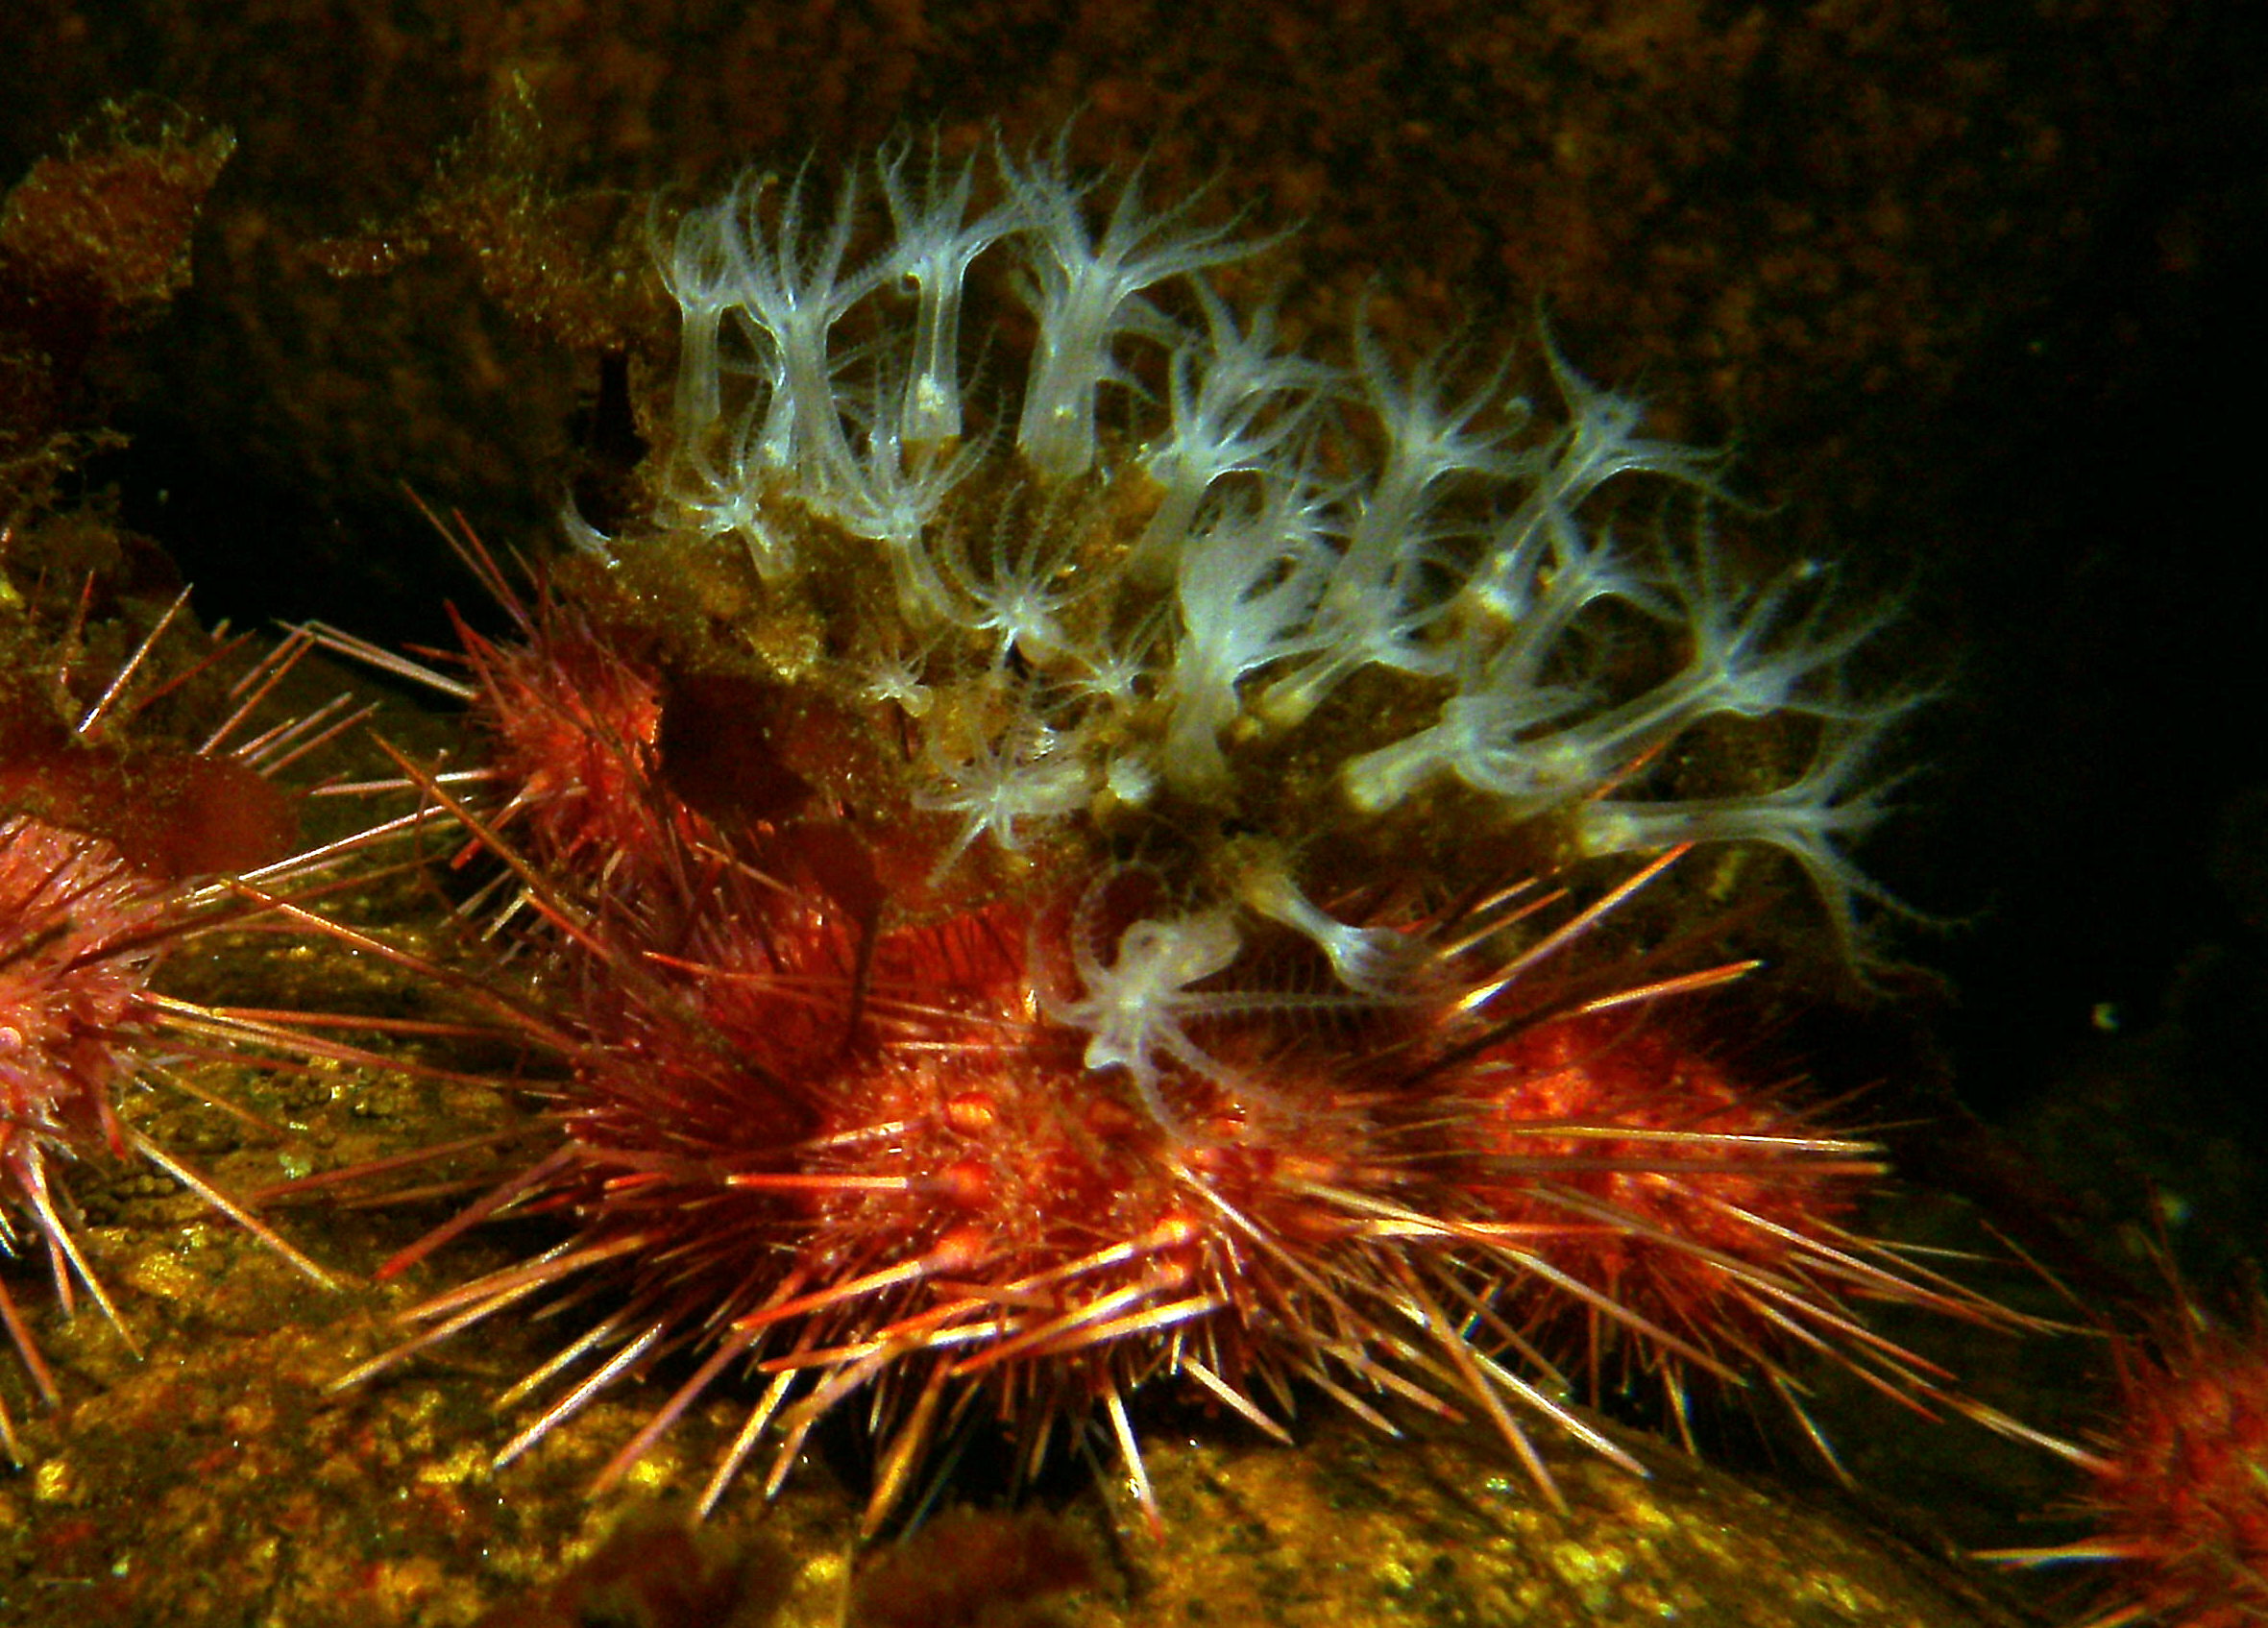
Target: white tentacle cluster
1147	569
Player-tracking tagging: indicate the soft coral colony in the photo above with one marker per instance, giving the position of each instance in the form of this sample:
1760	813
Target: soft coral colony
1084	847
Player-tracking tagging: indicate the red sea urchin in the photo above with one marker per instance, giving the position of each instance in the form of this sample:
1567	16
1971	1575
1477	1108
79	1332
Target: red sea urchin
100	845
1707	1216
887	1166
2176	1493
1019	903
80	931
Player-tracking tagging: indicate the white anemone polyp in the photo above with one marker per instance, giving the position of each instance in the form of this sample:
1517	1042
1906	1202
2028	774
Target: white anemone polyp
1194	547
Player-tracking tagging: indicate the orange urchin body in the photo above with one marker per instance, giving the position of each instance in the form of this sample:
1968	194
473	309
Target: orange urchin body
570	725
81	931
2178	1486
1704	1215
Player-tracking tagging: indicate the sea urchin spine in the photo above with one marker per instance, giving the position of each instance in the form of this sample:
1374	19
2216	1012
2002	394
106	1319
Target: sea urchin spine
2177	1480
98	885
